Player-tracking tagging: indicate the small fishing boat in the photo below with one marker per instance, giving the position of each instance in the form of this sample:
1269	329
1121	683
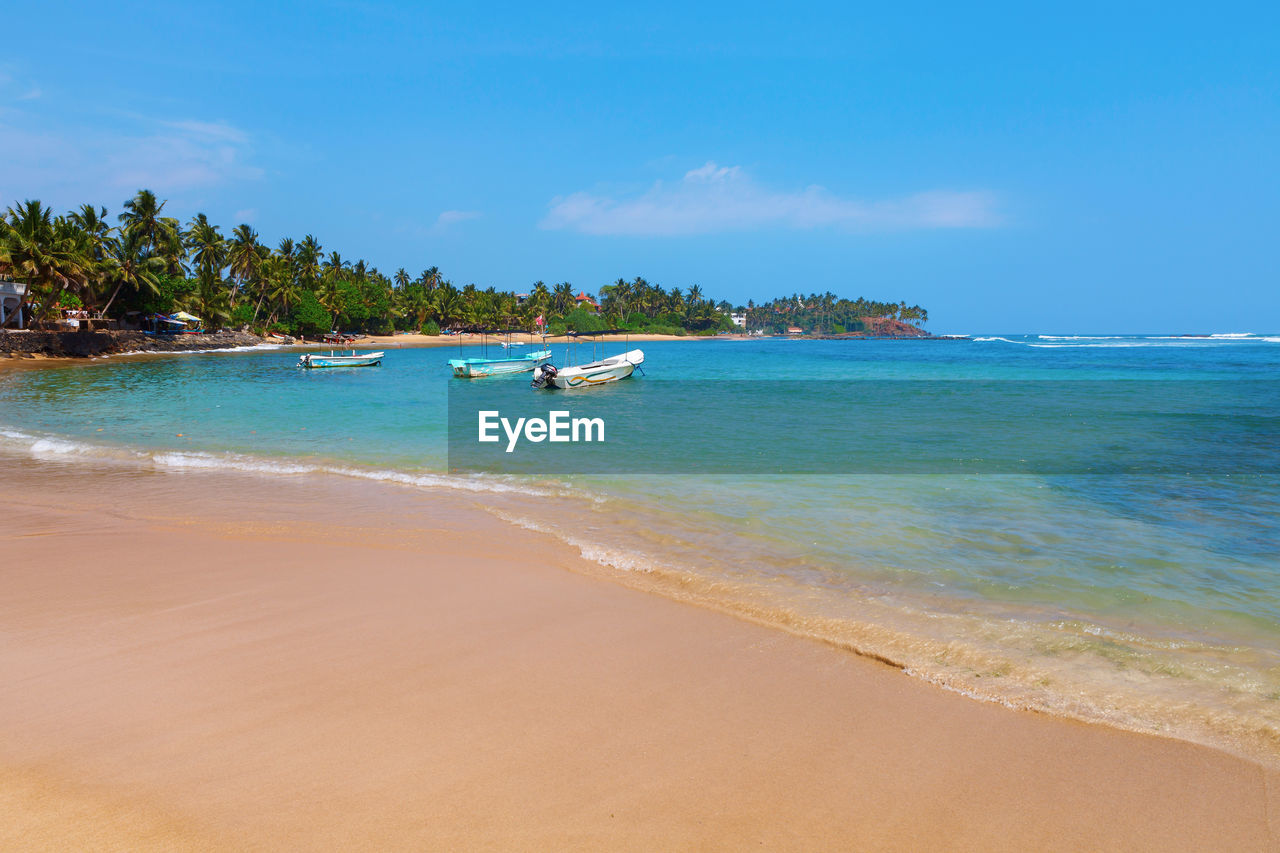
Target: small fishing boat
592	373
471	368
507	363
587	375
364	359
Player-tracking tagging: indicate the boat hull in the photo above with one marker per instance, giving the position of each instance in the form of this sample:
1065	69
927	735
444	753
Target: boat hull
475	368
598	372
372	359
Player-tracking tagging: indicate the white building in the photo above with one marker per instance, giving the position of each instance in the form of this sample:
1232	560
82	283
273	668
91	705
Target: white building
12	295
739	320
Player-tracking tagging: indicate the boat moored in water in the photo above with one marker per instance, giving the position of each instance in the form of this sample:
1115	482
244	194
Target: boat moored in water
507	363
597	372
472	368
588	375
364	359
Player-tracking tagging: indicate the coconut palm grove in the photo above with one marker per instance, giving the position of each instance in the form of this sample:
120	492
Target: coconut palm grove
142	262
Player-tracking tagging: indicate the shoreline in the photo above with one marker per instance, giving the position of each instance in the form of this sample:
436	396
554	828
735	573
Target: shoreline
82	347
939	651
443	678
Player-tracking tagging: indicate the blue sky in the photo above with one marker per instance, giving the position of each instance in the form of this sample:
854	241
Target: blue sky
1074	168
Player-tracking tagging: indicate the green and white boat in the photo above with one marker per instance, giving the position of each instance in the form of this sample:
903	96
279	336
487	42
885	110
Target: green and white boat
364	359
507	363
472	368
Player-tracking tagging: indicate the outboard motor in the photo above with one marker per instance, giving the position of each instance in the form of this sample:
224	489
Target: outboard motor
543	375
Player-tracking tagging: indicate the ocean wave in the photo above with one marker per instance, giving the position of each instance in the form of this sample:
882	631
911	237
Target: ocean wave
1080	337
1039	658
251	348
48	447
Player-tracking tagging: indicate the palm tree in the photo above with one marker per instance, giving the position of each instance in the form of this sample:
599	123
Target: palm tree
330	291
271	269
335	263
430	279
92	221
562	298
158	233
309	253
51	254
449	305
285	291
210	300
244	256
209	254
131	266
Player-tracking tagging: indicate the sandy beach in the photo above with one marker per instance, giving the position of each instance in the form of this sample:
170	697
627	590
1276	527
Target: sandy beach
414	339
219	661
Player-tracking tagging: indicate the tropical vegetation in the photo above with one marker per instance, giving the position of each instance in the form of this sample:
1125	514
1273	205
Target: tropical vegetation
146	262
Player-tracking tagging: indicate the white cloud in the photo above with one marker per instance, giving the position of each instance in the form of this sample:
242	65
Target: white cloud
247	215
70	162
714	198
210	131
449	217
31	94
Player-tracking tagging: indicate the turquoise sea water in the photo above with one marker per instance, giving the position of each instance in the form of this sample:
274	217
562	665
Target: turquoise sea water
1148	599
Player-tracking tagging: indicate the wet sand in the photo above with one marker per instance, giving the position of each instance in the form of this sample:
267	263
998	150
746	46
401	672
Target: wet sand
216	661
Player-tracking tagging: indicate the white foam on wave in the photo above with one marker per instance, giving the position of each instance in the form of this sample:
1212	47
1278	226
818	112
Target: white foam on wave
229	462
1003	340
45	447
250	348
1080	337
613	558
51	447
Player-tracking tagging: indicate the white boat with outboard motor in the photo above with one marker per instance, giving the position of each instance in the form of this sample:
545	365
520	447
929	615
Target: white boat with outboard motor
598	372
364	359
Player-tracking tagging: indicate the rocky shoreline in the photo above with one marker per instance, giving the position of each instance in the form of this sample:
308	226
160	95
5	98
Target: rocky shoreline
28	344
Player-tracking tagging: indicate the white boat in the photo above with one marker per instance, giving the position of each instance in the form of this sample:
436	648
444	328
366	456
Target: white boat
364	359
588	375
472	368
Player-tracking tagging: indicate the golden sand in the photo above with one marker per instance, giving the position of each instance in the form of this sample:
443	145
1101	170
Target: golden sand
214	661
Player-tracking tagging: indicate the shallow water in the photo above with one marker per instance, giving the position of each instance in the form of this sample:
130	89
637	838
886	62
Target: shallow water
1148	600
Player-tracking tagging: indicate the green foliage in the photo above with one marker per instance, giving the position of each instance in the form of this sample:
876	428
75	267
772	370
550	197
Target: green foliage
241	315
173	291
580	321
431	327
308	316
153	263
